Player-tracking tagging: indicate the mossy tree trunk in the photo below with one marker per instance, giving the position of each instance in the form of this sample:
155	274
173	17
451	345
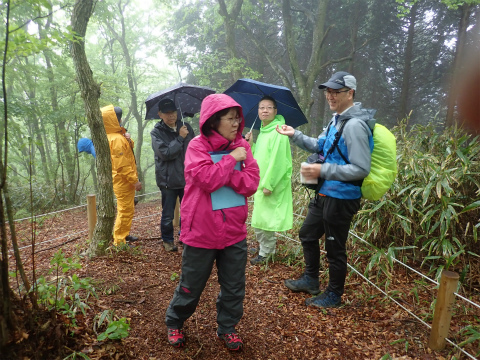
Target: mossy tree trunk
90	91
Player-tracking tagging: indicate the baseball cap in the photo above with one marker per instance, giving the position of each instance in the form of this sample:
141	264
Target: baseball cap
340	80
166	105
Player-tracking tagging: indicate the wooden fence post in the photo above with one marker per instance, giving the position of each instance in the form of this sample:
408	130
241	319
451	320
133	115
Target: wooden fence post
443	310
176	215
91	214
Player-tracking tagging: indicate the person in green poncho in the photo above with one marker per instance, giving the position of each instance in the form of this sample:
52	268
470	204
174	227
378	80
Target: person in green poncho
272	209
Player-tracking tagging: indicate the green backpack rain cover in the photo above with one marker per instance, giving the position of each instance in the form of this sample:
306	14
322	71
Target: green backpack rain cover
383	168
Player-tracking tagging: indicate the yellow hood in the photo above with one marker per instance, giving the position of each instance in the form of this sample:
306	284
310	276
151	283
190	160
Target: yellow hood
110	120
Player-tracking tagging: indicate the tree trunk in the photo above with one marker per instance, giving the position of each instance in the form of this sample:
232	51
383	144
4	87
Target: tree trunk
132	89
229	21
90	91
36	131
407	65
457	62
6	323
13	238
305	79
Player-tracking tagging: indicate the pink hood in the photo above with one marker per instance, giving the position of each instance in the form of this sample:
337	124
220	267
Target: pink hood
201	226
216	102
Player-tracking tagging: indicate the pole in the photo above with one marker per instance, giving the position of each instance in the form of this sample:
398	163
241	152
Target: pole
91	214
176	215
443	310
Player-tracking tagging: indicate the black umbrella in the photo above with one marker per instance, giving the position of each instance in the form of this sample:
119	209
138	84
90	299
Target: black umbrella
248	92
187	98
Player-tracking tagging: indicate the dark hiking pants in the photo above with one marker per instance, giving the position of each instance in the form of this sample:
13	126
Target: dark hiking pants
330	217
169	201
197	264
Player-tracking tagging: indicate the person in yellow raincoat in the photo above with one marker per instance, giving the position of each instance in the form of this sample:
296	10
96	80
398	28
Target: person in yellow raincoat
124	173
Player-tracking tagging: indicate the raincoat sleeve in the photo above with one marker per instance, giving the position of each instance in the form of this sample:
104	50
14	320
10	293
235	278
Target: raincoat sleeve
245	182
279	162
123	161
211	177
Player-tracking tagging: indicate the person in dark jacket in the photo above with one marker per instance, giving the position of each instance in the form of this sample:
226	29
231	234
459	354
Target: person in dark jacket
170	139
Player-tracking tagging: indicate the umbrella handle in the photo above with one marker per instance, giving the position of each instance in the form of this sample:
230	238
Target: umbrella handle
181	113
251	129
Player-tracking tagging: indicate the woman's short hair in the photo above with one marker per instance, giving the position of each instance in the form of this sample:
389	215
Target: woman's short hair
213	121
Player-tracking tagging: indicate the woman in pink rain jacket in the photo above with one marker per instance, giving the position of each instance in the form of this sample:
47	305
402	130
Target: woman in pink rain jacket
214	236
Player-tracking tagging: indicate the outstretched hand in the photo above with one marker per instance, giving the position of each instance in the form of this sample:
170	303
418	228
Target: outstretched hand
285	130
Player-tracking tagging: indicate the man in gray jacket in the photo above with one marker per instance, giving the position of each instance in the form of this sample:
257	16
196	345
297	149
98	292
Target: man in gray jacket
344	156
170	139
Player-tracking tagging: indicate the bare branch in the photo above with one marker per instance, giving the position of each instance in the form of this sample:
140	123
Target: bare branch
36	18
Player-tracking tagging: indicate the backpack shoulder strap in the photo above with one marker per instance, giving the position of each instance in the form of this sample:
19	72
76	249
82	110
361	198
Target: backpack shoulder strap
336	140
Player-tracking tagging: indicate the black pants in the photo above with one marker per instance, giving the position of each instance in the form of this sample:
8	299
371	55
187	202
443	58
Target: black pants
169	201
197	264
331	217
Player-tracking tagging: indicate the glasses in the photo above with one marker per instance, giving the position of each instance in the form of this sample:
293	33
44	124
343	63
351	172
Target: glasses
233	121
334	93
269	108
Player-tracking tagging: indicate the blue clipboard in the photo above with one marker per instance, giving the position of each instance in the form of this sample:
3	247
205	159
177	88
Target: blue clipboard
225	197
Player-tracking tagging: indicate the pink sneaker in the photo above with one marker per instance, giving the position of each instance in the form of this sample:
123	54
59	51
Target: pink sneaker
176	338
232	341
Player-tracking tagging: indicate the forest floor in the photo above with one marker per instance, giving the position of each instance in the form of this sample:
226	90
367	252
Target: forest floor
138	284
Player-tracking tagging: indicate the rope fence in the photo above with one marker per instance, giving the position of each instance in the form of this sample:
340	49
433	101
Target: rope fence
288	238
391	298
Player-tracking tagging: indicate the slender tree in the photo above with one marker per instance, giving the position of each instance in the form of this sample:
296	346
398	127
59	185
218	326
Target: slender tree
90	91
229	21
408	59
118	30
7	324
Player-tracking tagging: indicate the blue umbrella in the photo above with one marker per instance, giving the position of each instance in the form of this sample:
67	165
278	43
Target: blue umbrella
187	98
248	92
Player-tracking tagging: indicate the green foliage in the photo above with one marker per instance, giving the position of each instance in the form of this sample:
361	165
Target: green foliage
67	294
76	355
473	333
455	4
174	276
42	201
116	328
399	341
404	7
431	207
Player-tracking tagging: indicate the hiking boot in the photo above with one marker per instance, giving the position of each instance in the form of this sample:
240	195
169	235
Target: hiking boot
327	299
170	246
253	251
258	260
232	341
304	283
131	238
176	338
